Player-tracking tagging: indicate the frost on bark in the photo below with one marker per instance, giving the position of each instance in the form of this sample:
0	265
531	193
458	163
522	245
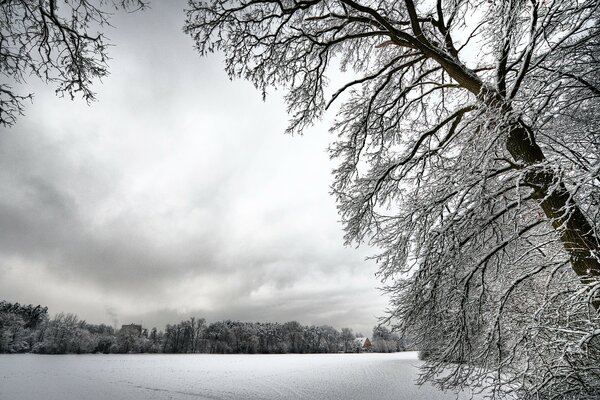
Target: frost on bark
468	155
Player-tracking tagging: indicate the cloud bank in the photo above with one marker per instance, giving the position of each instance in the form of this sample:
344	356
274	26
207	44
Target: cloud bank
176	194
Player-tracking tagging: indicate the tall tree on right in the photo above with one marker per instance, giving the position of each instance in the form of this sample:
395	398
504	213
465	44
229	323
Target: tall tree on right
468	152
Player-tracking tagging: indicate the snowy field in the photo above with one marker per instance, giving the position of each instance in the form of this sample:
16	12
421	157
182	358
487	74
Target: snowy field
214	377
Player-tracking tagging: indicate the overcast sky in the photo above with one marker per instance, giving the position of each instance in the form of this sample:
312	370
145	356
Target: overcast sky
176	194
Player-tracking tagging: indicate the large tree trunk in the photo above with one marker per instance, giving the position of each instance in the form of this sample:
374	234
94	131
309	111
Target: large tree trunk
575	231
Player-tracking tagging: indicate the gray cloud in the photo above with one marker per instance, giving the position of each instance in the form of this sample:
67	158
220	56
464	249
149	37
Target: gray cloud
175	194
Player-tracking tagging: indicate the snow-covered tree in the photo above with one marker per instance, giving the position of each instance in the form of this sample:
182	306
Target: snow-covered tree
468	151
347	337
57	41
385	341
62	335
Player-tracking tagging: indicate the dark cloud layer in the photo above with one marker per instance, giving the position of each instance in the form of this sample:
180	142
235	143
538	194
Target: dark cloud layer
176	194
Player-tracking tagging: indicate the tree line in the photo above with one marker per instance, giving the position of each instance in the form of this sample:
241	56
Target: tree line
29	329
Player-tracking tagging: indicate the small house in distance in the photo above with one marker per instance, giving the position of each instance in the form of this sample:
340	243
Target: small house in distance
362	344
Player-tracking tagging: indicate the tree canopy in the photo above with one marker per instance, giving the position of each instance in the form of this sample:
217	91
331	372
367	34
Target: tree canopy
468	155
57	41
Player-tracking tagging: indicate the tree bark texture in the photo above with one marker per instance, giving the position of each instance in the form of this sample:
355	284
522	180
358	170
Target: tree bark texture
576	233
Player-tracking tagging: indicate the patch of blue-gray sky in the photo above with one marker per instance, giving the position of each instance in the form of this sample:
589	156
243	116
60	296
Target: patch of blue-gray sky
177	193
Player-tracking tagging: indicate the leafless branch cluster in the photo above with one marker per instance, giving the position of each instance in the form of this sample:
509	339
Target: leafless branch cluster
468	153
55	40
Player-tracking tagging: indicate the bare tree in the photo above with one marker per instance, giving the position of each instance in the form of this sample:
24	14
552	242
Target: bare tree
57	41
468	152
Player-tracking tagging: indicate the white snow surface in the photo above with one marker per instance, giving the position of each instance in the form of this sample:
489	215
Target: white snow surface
215	377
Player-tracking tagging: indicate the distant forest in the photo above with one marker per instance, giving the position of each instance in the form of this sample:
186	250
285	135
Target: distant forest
28	329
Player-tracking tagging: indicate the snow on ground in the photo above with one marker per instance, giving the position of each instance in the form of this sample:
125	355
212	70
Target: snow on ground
214	377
